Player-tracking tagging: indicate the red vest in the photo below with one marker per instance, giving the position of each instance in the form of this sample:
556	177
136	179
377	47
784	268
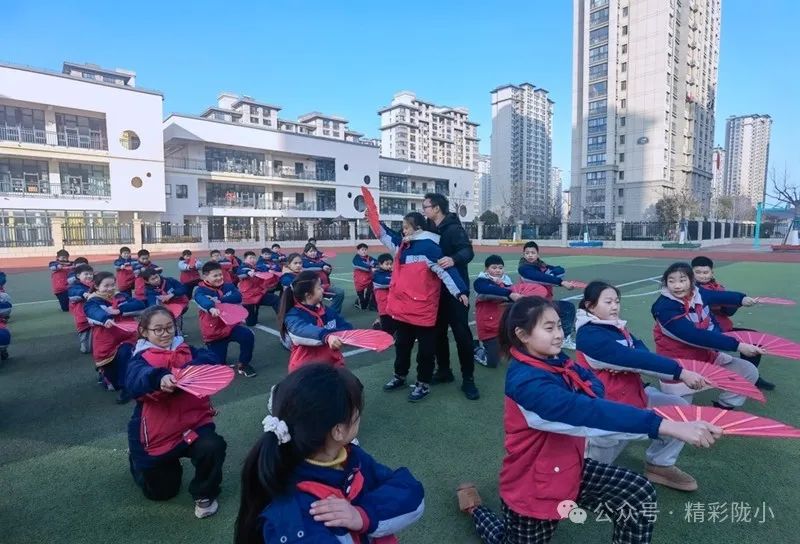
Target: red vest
58	279
725	322
188	276
166	417
382	300
213	328
306	355
413	293
106	341
676	349
125	278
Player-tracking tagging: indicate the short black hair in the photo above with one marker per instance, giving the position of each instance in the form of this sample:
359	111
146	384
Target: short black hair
80	260
148	273
702	260
142	253
276	245
683	268
493	259
308	247
62	253
263	250
211	253
440	200
248	253
362	245
230	251
209	267
385	257
124	249
532	244
80	269
312	240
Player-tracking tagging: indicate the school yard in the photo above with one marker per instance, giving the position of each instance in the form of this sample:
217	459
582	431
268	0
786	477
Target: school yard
63	460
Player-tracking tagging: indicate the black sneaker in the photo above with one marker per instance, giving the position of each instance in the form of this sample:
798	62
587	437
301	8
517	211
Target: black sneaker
443	377
722	406
469	389
761	383
246	370
420	391
3	354
395	383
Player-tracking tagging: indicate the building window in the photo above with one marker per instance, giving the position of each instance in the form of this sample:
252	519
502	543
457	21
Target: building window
623	85
266	122
181	191
623	104
597	125
598	35
598	89
81	131
596	144
623	67
254	120
624	48
622	121
24	176
622	157
168	190
598	54
277	196
622	139
595	179
130	140
598	17
619	210
597	107
625	30
595	159
299	198
620	192
625	11
22	124
598	71
84	179
233	160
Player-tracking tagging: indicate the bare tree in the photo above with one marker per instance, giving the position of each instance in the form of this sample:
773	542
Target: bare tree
784	191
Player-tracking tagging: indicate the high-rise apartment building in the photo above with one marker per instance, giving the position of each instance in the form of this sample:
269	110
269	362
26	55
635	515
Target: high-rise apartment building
555	203
415	130
644	85
483	184
522	145
747	156
717	179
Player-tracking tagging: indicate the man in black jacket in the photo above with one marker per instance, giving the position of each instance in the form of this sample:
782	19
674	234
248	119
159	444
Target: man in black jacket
457	248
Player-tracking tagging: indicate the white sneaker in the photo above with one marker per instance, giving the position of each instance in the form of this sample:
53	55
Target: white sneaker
569	343
204	508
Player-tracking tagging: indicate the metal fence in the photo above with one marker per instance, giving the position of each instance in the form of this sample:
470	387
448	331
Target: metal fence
596	231
545	231
645	230
24	235
332	231
290	230
498	232
364	232
472	230
166	233
98	235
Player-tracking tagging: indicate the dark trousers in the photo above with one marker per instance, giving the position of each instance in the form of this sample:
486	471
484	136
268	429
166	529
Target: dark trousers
365	299
405	334
492	348
162	481
566	311
63	301
242	336
189	286
270	299
756	359
388	324
114	372
454	315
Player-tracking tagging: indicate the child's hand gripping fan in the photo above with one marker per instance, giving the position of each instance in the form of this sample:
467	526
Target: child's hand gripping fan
271	279
231	314
203	380
717	377
733	422
366	338
773	345
775	300
371	212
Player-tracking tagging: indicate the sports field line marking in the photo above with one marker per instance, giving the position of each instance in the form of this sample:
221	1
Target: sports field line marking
651	278
33	302
273	332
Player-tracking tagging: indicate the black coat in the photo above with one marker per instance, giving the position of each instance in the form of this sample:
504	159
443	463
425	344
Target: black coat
454	243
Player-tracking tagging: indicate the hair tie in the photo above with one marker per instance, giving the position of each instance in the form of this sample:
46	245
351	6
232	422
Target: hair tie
274	425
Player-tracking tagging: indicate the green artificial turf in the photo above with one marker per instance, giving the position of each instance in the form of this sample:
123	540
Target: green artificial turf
63	460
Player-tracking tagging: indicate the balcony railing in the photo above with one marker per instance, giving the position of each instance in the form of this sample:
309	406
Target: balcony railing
93	188
259	204
23	235
46	137
257	169
108	234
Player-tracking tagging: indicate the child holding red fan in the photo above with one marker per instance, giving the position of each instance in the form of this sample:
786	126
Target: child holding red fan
413	300
493	292
619	360
551	406
256	291
78	293
59	270
685	328
111	345
363	268
308	327
226	266
163	290
124	267
533	269
142	263
167	423
703	268
292	266
216	333
305	477
190	276
312	260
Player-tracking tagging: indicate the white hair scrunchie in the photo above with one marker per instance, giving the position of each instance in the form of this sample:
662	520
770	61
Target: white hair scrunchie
274	425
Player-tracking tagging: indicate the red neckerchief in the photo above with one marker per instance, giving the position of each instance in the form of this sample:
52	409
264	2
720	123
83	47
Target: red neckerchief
702	322
573	379
168	358
318	313
218	291
627	336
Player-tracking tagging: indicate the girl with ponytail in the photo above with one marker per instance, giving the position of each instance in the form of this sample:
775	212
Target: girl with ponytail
308	327
304	478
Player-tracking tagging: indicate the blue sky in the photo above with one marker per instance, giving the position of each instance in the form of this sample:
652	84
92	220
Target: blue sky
349	58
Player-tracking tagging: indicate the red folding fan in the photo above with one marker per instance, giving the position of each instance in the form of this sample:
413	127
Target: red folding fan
773	345
231	314
203	380
722	378
776	300
372	212
127	325
529	289
176	308
733	422
366	338
578	284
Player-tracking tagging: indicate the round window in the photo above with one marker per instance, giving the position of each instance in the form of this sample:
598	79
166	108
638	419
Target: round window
349	195
359	204
136	182
367	180
462	211
346	167
130	140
